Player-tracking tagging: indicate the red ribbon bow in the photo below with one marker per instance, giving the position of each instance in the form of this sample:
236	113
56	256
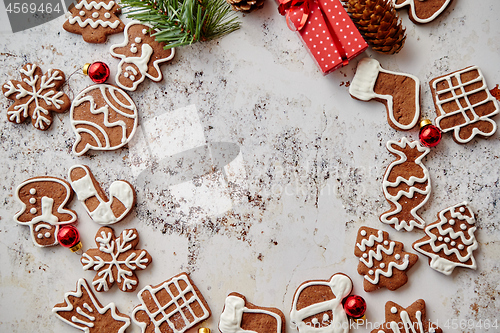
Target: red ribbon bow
293	9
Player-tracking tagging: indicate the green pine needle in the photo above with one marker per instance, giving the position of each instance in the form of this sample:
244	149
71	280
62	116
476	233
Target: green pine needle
183	22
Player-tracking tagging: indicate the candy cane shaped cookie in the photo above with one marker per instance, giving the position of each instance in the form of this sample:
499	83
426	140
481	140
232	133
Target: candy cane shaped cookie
90	193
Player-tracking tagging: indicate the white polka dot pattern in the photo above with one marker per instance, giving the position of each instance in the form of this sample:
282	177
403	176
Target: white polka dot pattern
333	42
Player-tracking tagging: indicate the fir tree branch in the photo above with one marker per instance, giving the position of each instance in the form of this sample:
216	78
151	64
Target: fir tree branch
183	22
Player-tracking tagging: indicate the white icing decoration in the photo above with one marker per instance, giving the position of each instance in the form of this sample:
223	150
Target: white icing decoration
160	316
461	246
95	14
382	265
103	214
394	310
104	90
94	5
133	48
462	209
32	201
440	238
370	241
447	239
453	243
230	318
82	287
47	235
407	324
82	13
41	90
40	236
463	227
386	217
397	256
145	31
107	15
365	255
386	242
363	83
138	40
363	233
124	267
141	62
414	14
341	286
439	263
452	221
46	206
132	78
370	272
125	74
439	100
92	23
33	210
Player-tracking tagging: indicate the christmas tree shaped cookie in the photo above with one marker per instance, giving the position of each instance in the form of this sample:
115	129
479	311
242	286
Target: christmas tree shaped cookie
412	319
382	262
94	20
406	185
450	241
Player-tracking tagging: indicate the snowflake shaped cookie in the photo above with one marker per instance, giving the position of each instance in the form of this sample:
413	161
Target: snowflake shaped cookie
36	96
116	259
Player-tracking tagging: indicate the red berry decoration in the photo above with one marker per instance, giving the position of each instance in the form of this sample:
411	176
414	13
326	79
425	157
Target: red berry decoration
429	134
355	306
97	71
68	236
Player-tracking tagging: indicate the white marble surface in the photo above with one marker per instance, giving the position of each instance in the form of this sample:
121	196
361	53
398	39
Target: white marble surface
303	174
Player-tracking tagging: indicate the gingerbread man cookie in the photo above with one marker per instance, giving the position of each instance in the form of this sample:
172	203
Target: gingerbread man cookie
116	259
317	305
140	56
44	201
406	185
450	242
423	11
82	310
175	305
382	262
241	316
464	104
94	20
36	96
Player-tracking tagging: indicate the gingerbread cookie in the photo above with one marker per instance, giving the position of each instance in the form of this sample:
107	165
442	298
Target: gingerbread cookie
175	305
464	104
423	11
382	262
44	201
95	20
399	92
140	56
82	310
412	319
103	117
116	259
241	316
317	305
450	241
90	193
36	96
406	184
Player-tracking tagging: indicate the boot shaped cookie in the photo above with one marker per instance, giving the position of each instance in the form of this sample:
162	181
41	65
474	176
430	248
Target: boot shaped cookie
398	91
423	11
90	193
140	56
44	201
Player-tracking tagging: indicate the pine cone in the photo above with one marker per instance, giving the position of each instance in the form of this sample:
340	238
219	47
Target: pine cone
379	23
246	6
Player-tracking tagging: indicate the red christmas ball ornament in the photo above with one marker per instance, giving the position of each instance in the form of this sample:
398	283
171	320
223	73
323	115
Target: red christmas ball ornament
355	306
429	134
68	236
97	71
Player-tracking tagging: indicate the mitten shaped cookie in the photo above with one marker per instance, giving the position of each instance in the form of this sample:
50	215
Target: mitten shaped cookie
464	104
44	201
140	56
382	262
36	96
423	11
406	185
399	92
240	316
95	20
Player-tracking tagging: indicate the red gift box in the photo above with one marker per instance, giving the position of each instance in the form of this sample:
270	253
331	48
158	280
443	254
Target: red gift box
326	29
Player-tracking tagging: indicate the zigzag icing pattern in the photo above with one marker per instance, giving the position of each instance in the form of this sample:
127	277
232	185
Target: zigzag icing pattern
95	5
371	241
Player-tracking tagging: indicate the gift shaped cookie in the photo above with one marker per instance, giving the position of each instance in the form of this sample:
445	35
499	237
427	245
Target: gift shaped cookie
44	201
140	56
174	305
464	104
423	11
317	305
240	316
